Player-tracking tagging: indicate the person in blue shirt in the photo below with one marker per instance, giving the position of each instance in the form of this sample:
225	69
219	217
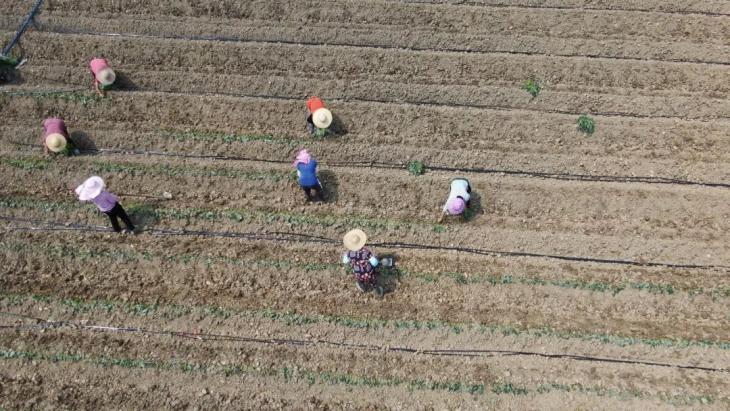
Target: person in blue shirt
307	171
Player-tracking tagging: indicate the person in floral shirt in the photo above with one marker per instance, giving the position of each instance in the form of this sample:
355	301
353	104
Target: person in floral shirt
362	261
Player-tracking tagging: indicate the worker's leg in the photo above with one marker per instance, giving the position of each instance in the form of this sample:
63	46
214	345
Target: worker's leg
124	217
307	192
113	218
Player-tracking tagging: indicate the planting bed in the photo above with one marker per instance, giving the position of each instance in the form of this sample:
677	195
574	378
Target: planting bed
594	274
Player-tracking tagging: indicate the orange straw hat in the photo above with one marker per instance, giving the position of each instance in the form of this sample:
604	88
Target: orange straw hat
55	142
106	76
322	118
355	239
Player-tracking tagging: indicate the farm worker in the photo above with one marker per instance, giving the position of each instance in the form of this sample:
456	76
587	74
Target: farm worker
93	189
307	171
103	74
361	260
55	136
458	200
318	117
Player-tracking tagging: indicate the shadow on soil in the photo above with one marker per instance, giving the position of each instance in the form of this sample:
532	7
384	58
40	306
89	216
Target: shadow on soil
389	276
82	141
123	82
475	207
144	215
331	187
10	75
337	128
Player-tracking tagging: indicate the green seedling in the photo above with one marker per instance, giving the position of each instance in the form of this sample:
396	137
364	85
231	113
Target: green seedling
586	124
533	87
416	167
320	132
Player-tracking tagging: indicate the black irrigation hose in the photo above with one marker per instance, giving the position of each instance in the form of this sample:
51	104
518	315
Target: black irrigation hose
307	238
472	353
399	166
232	39
563	8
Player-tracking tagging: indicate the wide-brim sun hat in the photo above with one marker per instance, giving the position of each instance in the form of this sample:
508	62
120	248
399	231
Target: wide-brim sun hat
55	142
456	206
322	118
90	189
106	76
355	239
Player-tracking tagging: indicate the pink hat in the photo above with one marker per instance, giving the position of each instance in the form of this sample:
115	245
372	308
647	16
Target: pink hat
456	206
90	189
302	157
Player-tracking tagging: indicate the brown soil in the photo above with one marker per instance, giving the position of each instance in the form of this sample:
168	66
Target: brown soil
435	81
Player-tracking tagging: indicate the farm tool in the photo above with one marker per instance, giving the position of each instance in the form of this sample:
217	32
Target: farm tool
164	196
6	60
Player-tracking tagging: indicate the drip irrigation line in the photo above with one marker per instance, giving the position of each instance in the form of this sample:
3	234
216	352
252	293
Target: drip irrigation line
308	238
472	353
459	50
397	102
401	166
562	8
23	27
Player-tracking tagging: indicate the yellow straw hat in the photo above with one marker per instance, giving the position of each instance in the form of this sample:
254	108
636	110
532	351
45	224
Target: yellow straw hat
106	76
322	118
355	239
55	142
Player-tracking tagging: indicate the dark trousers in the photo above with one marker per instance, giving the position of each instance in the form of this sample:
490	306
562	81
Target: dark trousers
317	188
118	211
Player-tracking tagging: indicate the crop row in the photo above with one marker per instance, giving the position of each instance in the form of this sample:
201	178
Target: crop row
458	278
30	163
76	96
289	374
290	318
237	215
297	374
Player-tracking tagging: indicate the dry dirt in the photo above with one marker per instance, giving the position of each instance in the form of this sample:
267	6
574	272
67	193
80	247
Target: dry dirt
594	275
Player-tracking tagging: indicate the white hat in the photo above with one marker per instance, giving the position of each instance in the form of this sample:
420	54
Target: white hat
55	142
91	188
355	239
106	76
322	118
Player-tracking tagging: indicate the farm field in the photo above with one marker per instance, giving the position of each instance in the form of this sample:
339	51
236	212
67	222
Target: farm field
594	275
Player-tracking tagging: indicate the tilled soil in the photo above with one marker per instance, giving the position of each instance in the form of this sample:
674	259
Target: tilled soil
593	275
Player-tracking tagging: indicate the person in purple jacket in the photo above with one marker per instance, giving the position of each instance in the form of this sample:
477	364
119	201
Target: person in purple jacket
307	172
93	189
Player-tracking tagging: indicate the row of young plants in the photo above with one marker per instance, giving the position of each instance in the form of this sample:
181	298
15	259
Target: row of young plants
31	163
145	211
458	278
291	318
289	374
83	97
298	374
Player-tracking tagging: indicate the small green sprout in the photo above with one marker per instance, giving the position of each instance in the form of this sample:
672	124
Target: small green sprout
532	87
586	124
320	132
416	167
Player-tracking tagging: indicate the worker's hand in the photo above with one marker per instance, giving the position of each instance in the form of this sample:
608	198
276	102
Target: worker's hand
441	218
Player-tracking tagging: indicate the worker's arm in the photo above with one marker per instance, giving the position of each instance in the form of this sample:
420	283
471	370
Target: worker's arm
441	217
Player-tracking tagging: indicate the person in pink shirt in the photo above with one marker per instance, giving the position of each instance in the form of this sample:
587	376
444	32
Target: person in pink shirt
93	189
55	138
103	74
